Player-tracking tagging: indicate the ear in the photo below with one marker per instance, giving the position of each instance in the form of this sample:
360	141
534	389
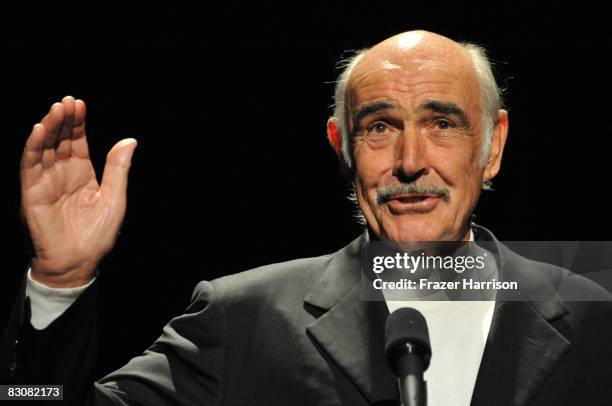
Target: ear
335	140
498	142
334	137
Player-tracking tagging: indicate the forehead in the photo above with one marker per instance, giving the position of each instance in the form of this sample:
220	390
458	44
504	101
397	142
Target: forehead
408	76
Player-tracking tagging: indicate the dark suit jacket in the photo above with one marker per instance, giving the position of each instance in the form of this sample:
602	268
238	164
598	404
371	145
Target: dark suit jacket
298	333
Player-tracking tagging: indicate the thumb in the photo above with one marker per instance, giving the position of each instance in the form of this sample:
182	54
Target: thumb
118	161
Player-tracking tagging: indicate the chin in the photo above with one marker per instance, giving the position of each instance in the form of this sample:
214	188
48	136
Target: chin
413	230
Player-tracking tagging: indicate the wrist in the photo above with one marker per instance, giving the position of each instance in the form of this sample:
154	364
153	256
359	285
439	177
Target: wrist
72	278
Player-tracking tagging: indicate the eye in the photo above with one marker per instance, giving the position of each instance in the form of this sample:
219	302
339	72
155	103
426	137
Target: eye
378	129
444	124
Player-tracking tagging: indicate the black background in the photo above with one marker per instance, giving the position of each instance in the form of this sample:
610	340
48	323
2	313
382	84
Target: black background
229	104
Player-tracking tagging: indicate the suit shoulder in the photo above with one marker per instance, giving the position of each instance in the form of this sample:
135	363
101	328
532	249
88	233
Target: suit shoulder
277	273
569	285
289	277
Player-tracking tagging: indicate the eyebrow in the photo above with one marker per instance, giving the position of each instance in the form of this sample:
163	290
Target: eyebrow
371	108
447	108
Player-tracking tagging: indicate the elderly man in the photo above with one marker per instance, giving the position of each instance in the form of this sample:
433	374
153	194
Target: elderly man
419	129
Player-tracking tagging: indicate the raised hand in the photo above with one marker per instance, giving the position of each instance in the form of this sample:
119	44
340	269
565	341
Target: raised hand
73	220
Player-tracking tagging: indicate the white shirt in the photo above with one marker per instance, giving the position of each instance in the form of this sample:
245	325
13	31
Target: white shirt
49	303
458	333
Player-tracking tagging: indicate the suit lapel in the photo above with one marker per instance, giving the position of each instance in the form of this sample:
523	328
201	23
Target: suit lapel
521	351
351	331
523	347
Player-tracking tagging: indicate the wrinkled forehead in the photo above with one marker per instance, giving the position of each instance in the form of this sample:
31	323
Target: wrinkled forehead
401	64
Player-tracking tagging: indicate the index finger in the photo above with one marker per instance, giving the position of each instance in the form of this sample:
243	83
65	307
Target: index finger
35	144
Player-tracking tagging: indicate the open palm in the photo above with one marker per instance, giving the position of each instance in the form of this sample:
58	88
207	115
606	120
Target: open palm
73	220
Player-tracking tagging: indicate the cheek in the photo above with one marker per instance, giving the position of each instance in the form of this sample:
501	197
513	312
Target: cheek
371	166
458	166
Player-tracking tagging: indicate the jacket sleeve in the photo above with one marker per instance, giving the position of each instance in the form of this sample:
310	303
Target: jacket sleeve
64	353
184	366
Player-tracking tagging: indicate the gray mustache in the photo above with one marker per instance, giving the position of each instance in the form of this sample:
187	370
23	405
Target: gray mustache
385	193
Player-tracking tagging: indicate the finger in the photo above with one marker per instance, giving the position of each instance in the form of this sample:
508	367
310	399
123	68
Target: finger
51	123
31	168
78	142
32	152
65	133
118	161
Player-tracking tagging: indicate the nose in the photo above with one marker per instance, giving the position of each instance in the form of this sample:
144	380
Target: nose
410	156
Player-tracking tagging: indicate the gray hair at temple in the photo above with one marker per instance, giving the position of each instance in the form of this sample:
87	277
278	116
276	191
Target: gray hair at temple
490	95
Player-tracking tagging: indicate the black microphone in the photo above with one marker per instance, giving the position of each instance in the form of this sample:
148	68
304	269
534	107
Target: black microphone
408	353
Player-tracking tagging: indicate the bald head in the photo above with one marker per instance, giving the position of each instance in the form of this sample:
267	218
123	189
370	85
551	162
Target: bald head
420	49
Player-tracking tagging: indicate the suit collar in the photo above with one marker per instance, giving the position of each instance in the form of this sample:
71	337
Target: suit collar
351	331
523	347
514	267
340	276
